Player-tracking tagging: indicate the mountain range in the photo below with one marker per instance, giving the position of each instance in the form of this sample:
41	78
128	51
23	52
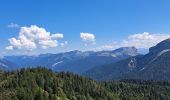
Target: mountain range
153	66
122	63
73	61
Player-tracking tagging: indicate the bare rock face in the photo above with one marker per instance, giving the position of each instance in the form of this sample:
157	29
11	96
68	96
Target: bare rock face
132	64
132	51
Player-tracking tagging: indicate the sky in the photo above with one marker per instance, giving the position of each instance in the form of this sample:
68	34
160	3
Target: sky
52	26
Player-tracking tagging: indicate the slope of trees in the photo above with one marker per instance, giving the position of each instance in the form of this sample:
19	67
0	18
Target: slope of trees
42	84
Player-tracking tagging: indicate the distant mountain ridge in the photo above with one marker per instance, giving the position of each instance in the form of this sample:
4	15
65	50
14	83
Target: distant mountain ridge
6	65
153	66
73	61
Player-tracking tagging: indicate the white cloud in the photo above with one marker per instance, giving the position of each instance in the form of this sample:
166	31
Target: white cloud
57	36
88	38
31	37
64	43
13	25
145	40
48	43
9	48
140	40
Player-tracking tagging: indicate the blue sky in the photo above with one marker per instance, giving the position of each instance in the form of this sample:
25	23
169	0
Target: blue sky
112	22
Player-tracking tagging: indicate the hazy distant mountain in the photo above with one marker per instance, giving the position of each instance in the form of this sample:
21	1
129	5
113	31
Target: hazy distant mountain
73	61
154	65
143	51
6	65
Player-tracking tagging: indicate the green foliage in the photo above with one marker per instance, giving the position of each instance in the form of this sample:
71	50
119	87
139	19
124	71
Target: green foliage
42	84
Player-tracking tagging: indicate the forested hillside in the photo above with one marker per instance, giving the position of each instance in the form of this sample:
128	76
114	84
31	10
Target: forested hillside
42	84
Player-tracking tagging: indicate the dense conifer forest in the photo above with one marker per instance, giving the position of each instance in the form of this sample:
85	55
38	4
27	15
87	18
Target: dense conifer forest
43	84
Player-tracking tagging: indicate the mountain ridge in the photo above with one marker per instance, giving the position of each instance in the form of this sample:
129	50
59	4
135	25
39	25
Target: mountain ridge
154	65
73	61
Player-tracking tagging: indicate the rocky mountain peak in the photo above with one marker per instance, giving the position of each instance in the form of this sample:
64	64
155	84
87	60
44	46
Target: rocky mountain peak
132	51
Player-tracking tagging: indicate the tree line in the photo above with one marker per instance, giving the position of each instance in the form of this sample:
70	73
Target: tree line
43	84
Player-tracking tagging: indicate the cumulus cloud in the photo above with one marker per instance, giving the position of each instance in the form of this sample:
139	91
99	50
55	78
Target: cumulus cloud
88	38
31	37
140	40
48	43
13	25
